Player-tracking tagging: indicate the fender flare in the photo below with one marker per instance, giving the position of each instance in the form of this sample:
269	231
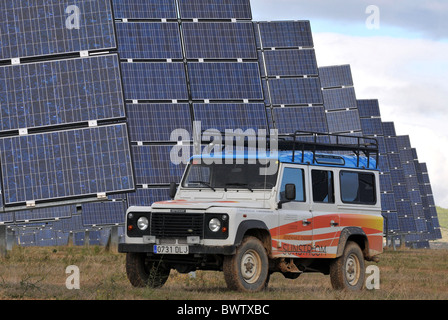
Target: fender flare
246	226
346	233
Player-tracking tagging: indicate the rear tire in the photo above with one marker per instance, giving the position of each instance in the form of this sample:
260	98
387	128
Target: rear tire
144	273
247	270
348	271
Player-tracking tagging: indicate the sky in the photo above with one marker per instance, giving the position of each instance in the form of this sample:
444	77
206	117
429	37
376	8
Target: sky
398	53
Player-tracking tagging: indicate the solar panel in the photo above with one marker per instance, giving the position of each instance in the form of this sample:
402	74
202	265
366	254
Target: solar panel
391	144
222	116
397	176
157	81
297	91
371	126
215	9
404	142
343	121
25	240
406	155
146	197
72	224
290	62
415	197
225	81
369	108
149	40
145	9
383	163
389	129
37	28
153	165
386	182
339	98
394	161
409	168
219	40
156	122
407	223
45	213
289	120
388	202
391	221
336	76
103	213
6	217
60	92
381	144
64	164
285	34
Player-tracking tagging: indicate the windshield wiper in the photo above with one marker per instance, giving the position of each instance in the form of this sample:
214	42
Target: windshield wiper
245	185
204	183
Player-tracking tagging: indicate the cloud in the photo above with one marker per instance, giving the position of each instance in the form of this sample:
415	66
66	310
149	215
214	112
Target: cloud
425	17
408	77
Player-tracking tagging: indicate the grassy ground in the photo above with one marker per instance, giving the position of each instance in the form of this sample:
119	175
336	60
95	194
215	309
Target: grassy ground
39	273
442	214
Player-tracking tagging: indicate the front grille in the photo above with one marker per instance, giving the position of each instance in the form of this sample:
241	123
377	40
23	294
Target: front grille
177	225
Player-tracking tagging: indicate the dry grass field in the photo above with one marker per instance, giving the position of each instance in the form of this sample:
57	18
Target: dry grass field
39	273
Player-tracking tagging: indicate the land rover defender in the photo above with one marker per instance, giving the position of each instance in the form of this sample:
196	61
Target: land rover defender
319	211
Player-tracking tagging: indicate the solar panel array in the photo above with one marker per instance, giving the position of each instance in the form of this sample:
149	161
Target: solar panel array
196	64
105	122
291	84
371	125
340	100
63	131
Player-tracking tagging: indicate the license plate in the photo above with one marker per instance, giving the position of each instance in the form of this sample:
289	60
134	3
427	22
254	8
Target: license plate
174	249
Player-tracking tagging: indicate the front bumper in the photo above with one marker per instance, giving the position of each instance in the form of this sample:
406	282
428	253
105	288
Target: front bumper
193	249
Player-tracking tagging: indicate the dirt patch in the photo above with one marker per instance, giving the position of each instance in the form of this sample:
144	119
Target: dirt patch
441	243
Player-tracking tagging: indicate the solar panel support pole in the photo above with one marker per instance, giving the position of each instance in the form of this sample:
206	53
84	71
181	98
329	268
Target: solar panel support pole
86	239
112	244
3	241
70	241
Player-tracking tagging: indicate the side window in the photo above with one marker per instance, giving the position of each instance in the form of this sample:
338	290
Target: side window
358	187
323	186
293	176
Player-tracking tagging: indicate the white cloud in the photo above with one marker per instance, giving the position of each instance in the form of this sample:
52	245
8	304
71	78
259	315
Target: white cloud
425	17
408	77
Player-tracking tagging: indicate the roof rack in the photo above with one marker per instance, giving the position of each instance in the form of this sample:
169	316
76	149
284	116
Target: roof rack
328	142
314	142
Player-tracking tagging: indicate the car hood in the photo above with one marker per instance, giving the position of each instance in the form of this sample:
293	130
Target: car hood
204	205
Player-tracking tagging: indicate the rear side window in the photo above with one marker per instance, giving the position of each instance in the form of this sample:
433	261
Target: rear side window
358	187
322	186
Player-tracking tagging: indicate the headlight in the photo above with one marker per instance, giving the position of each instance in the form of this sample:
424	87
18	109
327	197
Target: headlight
142	223
214	225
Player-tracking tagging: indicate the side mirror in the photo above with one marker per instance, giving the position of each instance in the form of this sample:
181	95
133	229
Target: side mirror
173	190
290	194
290	191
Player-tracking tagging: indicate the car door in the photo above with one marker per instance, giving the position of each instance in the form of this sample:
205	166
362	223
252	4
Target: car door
326	222
293	236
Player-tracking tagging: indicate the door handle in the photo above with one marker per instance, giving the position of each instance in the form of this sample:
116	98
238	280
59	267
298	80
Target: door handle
333	224
306	223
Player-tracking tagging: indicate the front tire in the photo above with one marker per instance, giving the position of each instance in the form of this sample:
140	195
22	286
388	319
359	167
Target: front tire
247	270
348	271
143	273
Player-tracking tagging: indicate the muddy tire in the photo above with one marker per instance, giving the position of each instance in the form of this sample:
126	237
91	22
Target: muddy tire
247	270
143	273
348	271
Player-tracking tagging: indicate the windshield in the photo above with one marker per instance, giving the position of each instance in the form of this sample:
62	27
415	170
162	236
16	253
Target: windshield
228	176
